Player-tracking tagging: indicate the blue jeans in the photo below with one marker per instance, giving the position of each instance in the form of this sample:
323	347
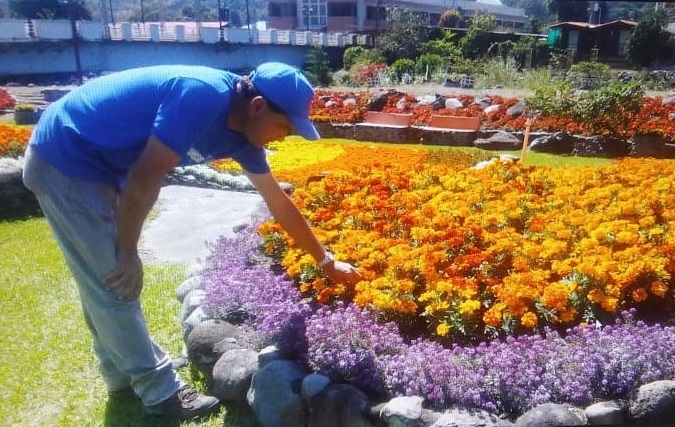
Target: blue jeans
82	216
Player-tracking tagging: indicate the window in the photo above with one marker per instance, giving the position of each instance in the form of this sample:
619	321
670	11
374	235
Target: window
312	13
342	9
281	10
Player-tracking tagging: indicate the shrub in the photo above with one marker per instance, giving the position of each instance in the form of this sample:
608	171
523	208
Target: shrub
589	75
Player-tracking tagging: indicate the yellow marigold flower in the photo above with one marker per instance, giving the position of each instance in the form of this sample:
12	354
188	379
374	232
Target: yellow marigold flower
442	329
658	288
529	320
467	308
626	238
639	294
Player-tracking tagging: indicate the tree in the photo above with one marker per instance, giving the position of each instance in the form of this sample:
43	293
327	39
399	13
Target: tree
50	9
650	40
449	18
477	39
405	36
569	10
318	69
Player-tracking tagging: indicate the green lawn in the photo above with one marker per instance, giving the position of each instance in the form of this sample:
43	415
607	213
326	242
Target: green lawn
48	374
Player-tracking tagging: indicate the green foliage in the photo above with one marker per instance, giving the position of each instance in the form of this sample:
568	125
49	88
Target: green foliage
402	66
318	69
650	40
444	47
588	75
428	64
478	39
609	110
498	72
553	98
358	55
405	37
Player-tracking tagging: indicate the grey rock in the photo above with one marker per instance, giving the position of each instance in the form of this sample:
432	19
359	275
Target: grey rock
469	417
405	411
15	199
339	405
556	143
232	375
195	318
550	415
192	300
491	109
453	104
653	403
599	146
274	395
269	354
610	412
426	99
499	141
201	341
227	344
188	285
516	110
312	384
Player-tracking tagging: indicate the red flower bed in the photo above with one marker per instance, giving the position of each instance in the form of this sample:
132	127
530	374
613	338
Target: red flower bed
6	100
330	106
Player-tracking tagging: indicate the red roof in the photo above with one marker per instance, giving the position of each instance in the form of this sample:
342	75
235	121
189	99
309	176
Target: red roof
618	22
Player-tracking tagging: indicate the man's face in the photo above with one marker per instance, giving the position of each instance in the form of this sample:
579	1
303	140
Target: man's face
265	124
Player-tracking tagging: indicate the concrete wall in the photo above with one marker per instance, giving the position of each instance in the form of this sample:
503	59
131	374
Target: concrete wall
17	59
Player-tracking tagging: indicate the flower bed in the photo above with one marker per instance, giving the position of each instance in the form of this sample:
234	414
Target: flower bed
350	107
467	255
353	345
13	140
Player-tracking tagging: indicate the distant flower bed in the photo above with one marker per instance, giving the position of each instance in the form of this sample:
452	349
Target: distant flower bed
13	140
467	255
350	107
351	344
296	161
6	100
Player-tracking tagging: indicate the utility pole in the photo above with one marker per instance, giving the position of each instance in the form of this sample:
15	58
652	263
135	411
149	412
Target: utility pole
142	13
248	21
112	15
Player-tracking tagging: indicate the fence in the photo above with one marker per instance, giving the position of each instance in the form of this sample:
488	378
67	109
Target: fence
17	30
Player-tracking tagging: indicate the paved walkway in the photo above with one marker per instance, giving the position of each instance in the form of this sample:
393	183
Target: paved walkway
186	220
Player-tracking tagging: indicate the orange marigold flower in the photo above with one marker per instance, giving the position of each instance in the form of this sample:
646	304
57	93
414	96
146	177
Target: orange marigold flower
658	288
639	294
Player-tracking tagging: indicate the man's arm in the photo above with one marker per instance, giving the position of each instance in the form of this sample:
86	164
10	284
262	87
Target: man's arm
287	214
142	187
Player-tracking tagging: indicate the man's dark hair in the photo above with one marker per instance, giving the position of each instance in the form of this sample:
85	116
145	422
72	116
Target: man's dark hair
246	91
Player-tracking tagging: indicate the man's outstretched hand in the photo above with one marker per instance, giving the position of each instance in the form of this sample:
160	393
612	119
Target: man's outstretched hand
126	281
342	272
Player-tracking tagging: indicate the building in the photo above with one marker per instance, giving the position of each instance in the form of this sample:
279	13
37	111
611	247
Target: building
604	42
369	15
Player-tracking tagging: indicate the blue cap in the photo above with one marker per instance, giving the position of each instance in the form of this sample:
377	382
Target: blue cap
288	89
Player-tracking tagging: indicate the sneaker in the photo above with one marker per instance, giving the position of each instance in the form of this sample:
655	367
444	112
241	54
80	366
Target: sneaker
187	403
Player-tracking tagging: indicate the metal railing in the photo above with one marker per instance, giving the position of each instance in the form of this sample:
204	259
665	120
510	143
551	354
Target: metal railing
19	30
